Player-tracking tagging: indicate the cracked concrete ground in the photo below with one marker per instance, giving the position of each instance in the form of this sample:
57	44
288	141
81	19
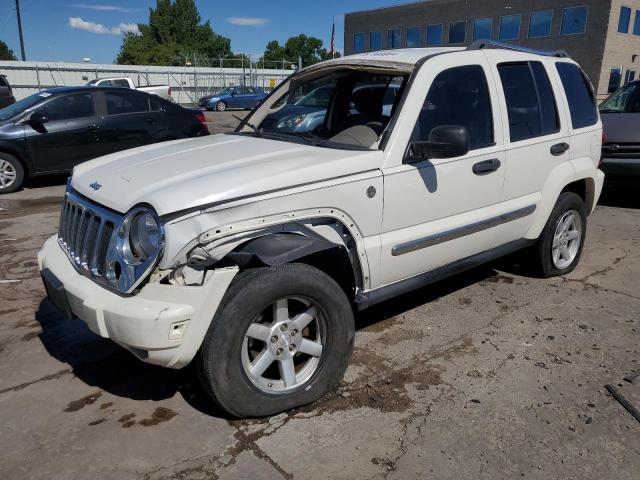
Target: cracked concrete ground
492	374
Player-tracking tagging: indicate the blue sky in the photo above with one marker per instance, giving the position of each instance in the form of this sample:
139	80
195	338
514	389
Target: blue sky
68	30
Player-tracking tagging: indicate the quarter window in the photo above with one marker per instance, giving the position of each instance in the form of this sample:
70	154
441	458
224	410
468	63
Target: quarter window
531	106
623	21
582	102
457	32
375	41
540	24
482	28
413	37
434	35
125	102
68	107
393	38
458	96
510	27
574	20
358	42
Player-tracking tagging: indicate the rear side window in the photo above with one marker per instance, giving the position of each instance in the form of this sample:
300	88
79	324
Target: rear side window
125	102
531	106
582	102
458	96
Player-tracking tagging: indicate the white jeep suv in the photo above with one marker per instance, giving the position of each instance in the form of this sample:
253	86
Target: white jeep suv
249	252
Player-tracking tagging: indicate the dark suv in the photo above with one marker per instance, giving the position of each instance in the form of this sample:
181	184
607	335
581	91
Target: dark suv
6	94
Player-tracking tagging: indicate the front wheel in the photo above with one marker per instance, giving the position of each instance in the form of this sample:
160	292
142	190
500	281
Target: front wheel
281	338
559	247
221	106
11	173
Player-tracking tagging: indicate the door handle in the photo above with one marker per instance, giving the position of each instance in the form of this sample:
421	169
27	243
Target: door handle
151	120
487	166
559	148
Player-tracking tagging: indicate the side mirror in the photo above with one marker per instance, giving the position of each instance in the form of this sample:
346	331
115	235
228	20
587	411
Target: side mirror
233	93
38	118
446	141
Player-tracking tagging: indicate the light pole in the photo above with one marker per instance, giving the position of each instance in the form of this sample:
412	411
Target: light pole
20	30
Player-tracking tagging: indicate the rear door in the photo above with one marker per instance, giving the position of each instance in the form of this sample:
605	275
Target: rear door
69	137
127	120
535	130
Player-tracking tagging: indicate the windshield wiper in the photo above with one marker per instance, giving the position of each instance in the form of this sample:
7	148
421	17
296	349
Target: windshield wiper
255	129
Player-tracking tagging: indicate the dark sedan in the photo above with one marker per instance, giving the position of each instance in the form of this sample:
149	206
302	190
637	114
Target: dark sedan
54	130
6	93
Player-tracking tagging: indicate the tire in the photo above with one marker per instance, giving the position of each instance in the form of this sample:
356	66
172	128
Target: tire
221	106
552	240
11	173
228	353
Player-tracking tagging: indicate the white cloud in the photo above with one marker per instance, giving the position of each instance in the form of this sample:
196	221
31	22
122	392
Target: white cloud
248	21
80	24
102	8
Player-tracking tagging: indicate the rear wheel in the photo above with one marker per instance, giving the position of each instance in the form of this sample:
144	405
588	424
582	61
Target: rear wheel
11	173
221	106
559	247
281	338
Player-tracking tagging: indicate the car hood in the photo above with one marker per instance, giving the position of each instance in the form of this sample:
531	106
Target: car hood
186	174
621	127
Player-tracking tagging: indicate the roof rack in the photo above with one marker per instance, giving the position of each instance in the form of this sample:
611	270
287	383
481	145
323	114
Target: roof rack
482	44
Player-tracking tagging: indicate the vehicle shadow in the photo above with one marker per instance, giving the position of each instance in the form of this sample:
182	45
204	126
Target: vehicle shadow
47	180
621	196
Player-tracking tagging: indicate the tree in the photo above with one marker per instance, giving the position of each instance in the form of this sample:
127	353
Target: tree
5	52
175	34
308	48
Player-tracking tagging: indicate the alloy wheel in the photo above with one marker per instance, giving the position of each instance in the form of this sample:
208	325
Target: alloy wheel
8	174
566	239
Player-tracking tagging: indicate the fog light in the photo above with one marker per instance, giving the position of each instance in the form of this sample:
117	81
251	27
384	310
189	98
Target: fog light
176	330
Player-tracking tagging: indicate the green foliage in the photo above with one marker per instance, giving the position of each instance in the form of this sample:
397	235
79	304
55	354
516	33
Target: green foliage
308	48
175	34
5	52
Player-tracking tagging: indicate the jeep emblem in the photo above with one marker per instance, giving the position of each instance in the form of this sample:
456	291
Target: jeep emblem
96	186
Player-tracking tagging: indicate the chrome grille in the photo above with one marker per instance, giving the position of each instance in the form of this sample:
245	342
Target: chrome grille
86	231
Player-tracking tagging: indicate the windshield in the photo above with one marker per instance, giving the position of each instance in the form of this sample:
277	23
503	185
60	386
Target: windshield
344	107
627	100
21	105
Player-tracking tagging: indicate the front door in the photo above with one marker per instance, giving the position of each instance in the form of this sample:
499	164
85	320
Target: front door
68	137
440	210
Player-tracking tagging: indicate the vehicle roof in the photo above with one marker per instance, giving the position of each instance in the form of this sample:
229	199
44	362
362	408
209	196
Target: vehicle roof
80	88
402	55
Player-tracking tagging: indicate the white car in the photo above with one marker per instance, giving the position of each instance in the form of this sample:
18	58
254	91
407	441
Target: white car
163	91
248	253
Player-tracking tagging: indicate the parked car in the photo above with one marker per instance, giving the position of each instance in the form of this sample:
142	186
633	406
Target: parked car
163	91
248	253
621	121
55	130
236	97
6	92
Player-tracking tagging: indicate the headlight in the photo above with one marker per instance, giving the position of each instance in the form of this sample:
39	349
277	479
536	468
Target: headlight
141	237
292	122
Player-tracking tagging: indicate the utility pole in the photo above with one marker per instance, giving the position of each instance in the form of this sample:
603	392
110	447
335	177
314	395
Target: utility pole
24	57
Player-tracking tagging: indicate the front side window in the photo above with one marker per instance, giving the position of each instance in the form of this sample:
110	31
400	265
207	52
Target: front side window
125	102
121	83
510	27
393	38
540	24
615	77
574	21
375	41
582	102
482	28
434	35
413	37
458	96
625	100
68	107
358	42
457	32
531	105
623	21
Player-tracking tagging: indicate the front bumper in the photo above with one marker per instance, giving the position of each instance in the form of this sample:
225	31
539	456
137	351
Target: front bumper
621	168
162	324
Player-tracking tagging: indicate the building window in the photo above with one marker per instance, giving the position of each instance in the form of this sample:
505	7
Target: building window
510	27
623	21
629	76
393	38
375	41
482	28
434	35
358	42
413	37
540	24
580	96
574	20
457	32
636	24
615	77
